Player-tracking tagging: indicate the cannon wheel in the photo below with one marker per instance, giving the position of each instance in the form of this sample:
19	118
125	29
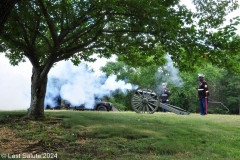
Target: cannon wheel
145	100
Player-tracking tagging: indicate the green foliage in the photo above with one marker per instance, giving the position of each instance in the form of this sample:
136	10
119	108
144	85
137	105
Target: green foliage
120	69
216	111
230	90
119	106
139	32
186	96
141	76
223	86
212	12
121	100
75	30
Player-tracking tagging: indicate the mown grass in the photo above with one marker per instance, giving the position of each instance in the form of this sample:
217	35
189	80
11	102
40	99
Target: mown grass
128	135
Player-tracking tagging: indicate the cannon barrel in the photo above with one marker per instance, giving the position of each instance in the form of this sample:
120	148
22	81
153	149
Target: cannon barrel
144	92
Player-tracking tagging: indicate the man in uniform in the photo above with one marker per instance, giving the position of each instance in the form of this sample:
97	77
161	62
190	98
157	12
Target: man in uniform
164	95
203	94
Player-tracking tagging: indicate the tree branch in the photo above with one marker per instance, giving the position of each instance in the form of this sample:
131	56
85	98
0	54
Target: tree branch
129	31
45	38
80	34
35	33
51	26
24	32
48	65
36	25
71	51
27	51
32	58
6	7
76	23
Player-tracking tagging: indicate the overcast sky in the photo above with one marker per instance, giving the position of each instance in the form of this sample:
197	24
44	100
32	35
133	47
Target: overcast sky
15	81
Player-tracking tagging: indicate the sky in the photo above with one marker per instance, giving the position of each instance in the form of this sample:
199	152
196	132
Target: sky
15	80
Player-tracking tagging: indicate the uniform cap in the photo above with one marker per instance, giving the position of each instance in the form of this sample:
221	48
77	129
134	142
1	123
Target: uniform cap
164	84
200	76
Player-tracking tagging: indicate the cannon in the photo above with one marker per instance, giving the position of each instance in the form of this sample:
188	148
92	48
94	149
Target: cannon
146	100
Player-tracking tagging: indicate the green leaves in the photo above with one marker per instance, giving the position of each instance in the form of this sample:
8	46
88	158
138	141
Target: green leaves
212	12
139	32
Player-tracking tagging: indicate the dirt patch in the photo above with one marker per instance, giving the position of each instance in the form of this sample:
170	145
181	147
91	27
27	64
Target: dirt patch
22	136
12	144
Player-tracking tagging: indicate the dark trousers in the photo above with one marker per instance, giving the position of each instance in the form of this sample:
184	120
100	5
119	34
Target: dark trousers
203	104
164	110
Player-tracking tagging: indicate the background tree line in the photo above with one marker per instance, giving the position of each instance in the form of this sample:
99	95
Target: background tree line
223	85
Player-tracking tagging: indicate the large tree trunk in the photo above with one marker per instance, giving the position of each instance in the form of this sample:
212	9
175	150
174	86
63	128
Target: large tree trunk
38	91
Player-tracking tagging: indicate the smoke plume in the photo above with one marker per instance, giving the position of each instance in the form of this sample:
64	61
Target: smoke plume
169	74
76	84
15	85
79	85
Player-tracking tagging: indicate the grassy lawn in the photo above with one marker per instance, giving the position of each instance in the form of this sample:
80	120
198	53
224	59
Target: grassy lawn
124	135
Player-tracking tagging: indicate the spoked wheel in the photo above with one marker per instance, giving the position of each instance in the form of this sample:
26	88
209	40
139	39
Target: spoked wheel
101	108
145	100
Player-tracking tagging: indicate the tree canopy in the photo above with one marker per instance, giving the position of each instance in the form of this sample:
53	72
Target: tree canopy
6	7
140	32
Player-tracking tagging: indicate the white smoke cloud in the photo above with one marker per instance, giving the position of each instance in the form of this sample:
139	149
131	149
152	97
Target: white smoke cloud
169	74
79	85
173	72
15	85
112	85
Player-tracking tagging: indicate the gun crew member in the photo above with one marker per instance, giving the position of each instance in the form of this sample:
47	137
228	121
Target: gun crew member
203	94
164	95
